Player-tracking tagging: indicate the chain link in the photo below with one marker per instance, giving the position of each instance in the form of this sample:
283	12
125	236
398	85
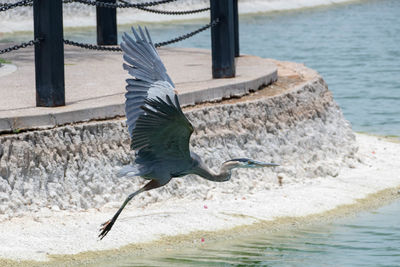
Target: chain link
28	3
165	12
123	5
22	45
188	35
5	6
118	49
92	46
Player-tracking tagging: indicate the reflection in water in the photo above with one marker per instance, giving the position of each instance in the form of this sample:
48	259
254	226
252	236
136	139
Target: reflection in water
369	239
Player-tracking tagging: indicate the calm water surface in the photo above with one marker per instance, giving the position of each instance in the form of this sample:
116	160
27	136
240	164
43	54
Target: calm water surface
368	239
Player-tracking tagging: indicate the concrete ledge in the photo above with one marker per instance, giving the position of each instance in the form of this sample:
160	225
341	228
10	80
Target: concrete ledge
95	85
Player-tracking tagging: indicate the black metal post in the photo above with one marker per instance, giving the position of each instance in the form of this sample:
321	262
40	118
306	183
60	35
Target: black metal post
236	25
106	24
49	53
222	39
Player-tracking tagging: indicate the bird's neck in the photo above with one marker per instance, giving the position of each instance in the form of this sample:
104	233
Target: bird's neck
203	171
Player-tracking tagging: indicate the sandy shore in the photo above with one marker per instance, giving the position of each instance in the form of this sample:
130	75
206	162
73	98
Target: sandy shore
42	235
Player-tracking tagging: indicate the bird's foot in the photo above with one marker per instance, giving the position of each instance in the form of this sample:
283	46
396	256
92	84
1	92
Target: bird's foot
105	228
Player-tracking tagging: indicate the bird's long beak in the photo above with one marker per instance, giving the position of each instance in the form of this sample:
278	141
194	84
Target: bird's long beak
264	164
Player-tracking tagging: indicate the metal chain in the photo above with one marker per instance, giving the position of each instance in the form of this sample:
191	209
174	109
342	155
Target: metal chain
5	6
92	46
142	6
118	49
165	12
64	2
124	5
22	45
188	35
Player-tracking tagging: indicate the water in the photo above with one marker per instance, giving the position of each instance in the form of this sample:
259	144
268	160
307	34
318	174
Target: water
78	15
368	239
355	47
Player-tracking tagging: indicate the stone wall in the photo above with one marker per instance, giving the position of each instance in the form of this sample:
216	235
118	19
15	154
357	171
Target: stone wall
73	167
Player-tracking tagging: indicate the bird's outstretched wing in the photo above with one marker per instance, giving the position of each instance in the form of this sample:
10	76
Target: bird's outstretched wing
156	123
150	76
164	132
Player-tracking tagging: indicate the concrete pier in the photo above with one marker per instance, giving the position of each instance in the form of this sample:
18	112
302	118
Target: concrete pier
95	85
294	122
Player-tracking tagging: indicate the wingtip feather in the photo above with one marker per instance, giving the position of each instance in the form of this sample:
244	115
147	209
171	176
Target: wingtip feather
136	35
148	35
142	34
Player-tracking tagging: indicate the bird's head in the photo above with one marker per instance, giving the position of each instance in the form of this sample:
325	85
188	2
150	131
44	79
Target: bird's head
247	163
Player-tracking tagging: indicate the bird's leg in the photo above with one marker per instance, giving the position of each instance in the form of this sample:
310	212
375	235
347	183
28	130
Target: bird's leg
106	227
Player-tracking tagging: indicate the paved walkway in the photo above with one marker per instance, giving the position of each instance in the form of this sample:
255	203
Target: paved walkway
95	85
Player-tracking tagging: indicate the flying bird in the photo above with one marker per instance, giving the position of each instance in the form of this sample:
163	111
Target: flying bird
159	130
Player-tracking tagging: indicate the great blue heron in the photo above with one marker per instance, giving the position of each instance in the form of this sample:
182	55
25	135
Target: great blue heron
159	130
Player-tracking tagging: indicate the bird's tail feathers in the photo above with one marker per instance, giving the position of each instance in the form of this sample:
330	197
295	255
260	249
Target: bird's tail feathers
129	171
